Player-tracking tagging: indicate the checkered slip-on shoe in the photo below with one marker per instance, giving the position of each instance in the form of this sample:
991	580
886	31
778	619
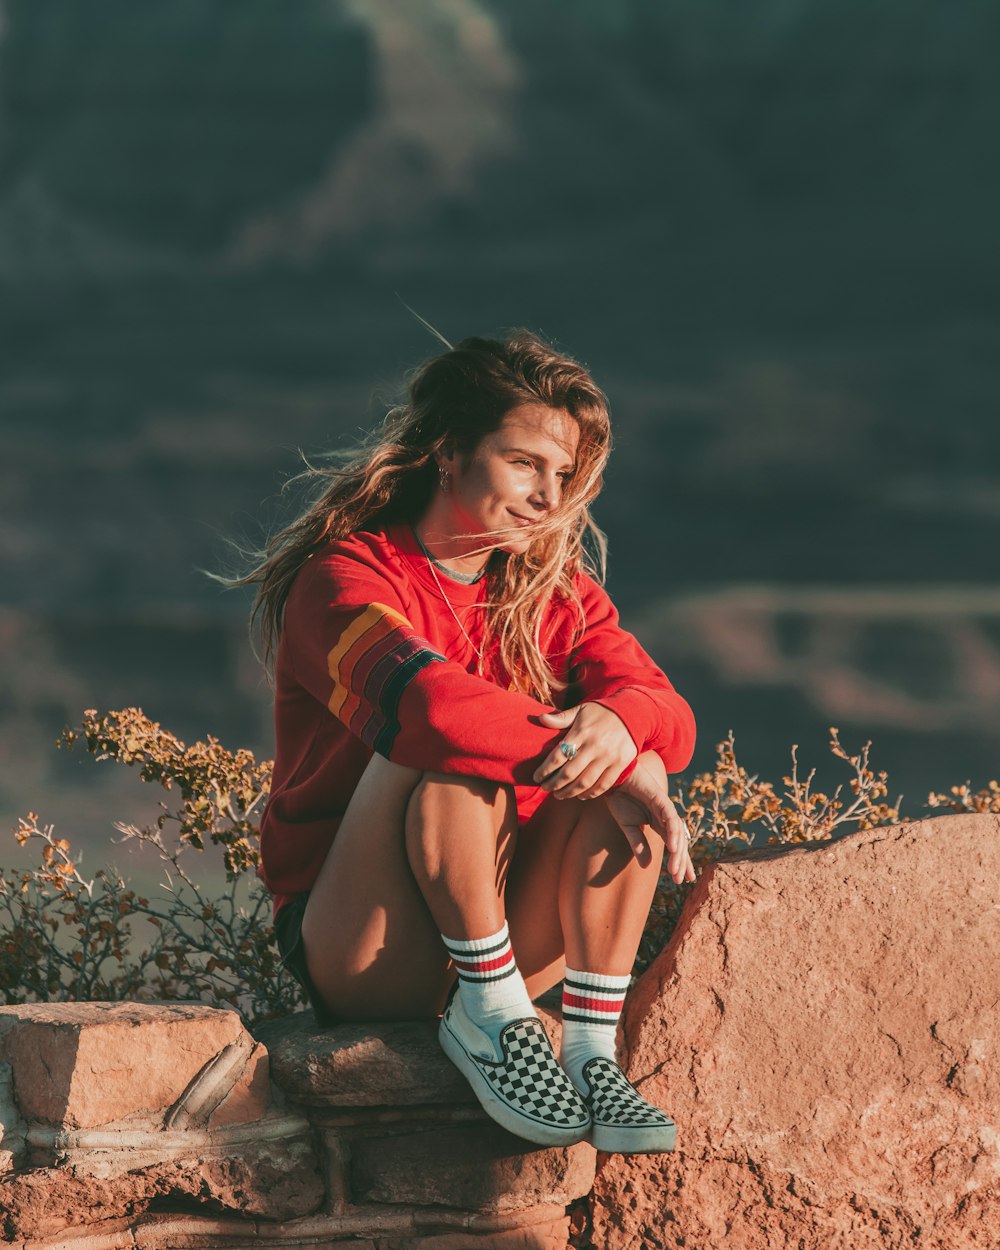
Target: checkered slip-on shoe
519	1083
624	1122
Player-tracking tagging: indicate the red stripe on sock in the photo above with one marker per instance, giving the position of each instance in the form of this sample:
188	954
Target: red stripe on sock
485	965
593	1004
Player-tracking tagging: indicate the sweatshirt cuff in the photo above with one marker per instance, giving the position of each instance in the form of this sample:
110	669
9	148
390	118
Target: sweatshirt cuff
637	712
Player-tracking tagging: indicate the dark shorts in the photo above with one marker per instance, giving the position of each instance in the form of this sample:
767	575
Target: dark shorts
288	935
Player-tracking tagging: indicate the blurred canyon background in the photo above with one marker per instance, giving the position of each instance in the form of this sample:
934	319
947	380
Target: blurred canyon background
770	230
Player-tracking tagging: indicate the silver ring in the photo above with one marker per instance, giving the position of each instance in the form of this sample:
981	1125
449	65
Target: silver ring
568	749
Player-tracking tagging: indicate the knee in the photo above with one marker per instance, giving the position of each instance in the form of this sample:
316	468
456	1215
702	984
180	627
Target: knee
386	772
434	789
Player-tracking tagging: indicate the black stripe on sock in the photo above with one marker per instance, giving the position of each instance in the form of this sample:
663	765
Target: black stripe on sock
495	976
582	988
479	954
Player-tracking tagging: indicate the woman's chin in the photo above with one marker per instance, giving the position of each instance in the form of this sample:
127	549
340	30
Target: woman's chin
516	545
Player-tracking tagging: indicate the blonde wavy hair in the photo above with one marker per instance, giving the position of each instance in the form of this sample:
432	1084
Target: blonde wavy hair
453	400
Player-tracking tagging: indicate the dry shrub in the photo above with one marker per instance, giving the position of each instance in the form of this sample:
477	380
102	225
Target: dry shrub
70	938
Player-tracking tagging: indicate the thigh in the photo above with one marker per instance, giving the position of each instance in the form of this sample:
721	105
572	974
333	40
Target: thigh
372	948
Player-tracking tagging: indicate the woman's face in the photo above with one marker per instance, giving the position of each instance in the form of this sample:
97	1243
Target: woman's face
514	476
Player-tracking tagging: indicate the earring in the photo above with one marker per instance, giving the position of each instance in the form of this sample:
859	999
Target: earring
444	478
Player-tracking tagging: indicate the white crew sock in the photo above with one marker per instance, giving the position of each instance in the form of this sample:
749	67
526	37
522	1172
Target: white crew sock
592	1005
492	989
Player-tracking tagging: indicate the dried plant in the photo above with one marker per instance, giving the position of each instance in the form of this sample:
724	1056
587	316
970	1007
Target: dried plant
67	937
963	799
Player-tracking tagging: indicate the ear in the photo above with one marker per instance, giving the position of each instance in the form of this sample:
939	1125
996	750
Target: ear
445	457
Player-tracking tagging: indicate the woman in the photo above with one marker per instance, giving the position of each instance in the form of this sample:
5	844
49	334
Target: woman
470	784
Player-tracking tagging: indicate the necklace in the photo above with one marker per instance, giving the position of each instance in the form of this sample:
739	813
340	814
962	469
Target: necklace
430	565
466	579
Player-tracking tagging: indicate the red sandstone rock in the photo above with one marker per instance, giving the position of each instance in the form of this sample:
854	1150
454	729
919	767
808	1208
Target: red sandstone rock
824	1029
390	1064
551	1235
273	1180
78	1065
476	1167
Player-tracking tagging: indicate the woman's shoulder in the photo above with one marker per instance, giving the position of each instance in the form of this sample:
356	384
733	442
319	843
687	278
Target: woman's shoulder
574	609
589	589
371	545
366	555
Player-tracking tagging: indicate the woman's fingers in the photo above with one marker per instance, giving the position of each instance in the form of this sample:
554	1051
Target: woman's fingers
669	824
604	783
685	871
671	827
639	842
556	758
582	786
558	769
595	737
680	867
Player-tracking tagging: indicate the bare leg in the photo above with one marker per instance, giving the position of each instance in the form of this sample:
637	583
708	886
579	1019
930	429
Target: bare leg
460	835
576	894
419	854
416	854
604	896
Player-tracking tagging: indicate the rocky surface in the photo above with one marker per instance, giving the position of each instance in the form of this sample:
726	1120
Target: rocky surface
390	1064
156	1126
824	1029
112	1110
77	1065
473	1166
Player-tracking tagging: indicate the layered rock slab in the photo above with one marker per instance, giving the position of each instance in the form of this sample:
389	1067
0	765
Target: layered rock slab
823	1028
391	1064
406	1130
79	1065
153	1125
108	1110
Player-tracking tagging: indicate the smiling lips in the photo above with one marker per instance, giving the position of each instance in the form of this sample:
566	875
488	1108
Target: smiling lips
521	520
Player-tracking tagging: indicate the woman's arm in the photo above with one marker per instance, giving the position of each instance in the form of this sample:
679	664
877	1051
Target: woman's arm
641	806
349	643
610	673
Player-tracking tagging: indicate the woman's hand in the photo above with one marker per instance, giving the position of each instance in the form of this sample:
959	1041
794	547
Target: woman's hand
641	804
604	748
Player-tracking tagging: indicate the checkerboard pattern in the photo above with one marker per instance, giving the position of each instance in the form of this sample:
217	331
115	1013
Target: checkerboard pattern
614	1100
530	1079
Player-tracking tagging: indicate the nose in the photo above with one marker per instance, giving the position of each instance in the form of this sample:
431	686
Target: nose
548	491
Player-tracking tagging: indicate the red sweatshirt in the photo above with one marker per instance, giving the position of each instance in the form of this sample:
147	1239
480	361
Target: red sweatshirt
371	658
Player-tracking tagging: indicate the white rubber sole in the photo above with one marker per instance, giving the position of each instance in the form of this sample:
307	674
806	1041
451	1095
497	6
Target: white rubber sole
644	1139
506	1116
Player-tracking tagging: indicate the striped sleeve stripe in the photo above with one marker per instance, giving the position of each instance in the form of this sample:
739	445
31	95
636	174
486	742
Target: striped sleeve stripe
374	660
